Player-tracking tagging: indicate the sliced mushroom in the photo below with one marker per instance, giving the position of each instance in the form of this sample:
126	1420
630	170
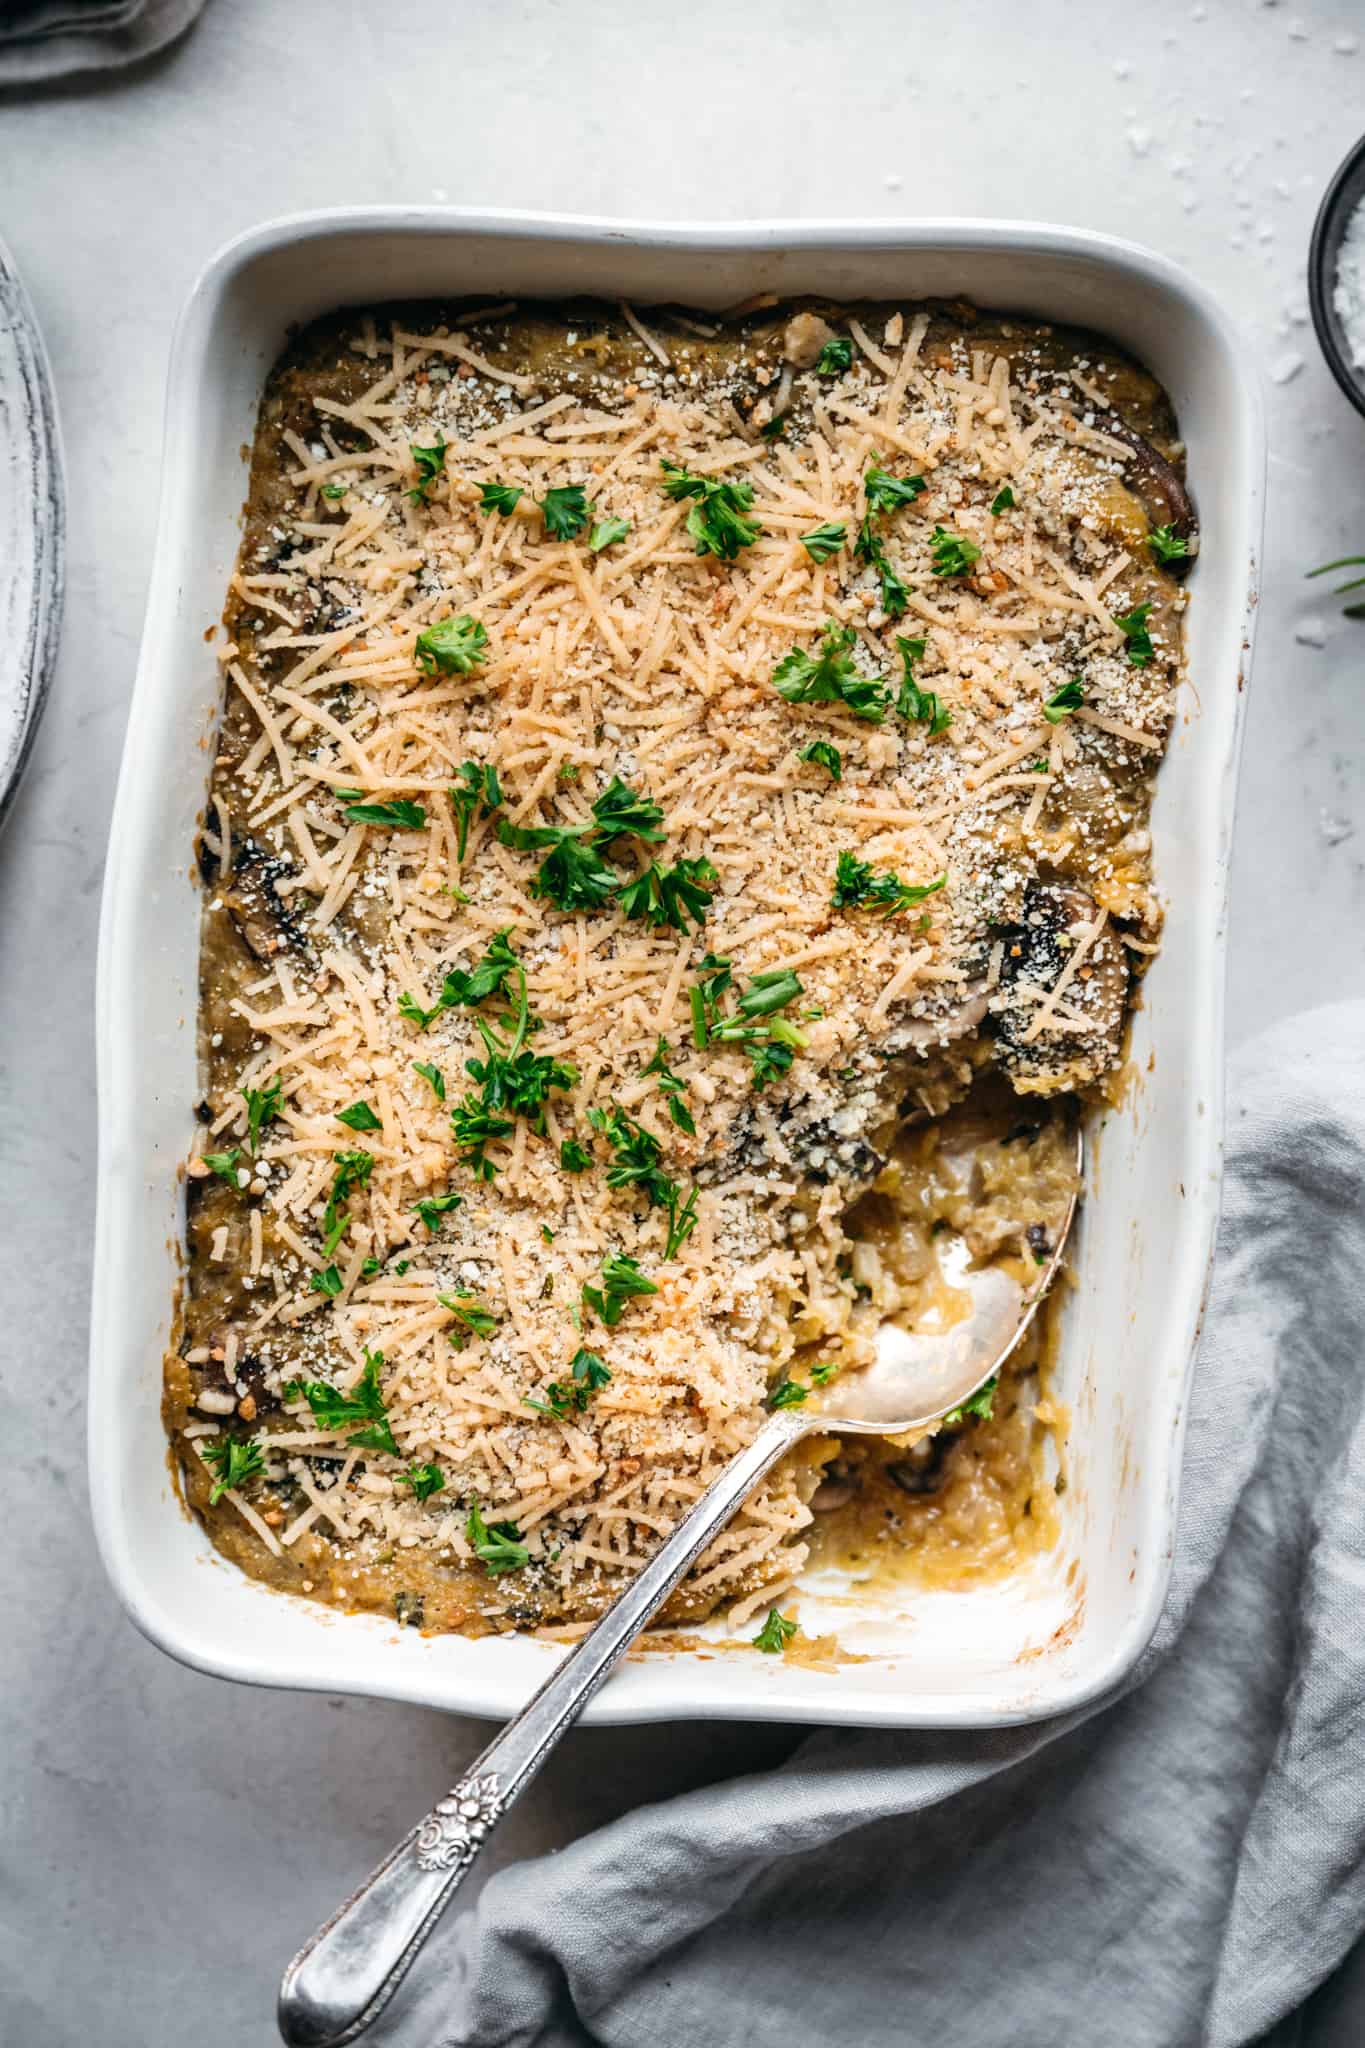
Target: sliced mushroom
1064	1054
1162	490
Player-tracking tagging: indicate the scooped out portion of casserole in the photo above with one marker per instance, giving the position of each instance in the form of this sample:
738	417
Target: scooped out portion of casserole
678	836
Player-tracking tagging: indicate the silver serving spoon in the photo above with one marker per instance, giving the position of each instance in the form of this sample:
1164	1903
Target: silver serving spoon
340	1982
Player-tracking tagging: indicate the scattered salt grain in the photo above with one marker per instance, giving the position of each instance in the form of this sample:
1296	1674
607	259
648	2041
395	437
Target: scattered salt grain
1334	827
1311	632
1139	140
1285	368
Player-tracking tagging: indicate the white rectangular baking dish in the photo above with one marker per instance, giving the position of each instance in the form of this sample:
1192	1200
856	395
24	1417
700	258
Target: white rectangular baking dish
1052	1637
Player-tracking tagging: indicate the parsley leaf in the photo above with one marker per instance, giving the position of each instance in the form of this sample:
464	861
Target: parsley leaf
775	1633
353	1170
234	1460
1003	501
1063	702
452	647
914	703
472	1318
823	1371
262	1107
669	896
836	355
431	1208
856	883
868	548
587	1373
673	1088
431	464
335	491
768	992
822	755
980	1403
952	554
499	1548
224	1164
466	986
622	1281
574	876
359	1117
606	533
771	1045
637	1153
1166	544
573	1157
885	492
432	1075
716	521
474	1130
363	1405
495	497
327	1282
1133	626
681	1223
565	510
788	1394
401	815
424	1480
823	541
478	789
830	677
621	809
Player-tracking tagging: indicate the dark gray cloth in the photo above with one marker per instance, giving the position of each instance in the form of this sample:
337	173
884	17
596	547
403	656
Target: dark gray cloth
41	39
1180	1866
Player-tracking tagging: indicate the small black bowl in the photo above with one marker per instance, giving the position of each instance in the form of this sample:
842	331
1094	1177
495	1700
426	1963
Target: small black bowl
1340	201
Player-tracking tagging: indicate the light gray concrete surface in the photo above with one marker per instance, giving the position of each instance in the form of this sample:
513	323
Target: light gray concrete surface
166	1839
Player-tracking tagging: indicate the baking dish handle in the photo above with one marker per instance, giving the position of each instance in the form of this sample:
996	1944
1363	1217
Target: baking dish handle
340	1982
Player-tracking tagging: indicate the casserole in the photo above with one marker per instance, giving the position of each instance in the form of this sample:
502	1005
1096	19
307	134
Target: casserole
1073	1622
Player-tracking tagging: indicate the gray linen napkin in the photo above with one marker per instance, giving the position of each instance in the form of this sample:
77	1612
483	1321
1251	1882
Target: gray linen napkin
1180	1866
41	39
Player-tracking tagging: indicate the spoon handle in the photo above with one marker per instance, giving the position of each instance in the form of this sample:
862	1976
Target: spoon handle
342	1979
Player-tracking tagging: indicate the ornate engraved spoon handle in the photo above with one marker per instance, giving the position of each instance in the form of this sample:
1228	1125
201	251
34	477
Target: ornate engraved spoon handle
344	1977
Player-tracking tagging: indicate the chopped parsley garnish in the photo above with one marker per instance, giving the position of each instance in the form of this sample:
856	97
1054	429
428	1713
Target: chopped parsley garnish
868	548
1003	501
1166	544
424	1480
856	883
768	992
224	1164
565	510
823	1371
606	533
774	428
822	755
478	789
452	647
1063	702
432	1208
401	815
335	491
587	1372
474	1130
673	1088
431	463
669	896
830	677
495	497
716	521
363	1405
836	355
620	810
636	1156
823	541
769	1040
463	987
681	1223
359	1117
621	1281
234	1460
788	1394
952	554
912	702
980	1403
775	1633
433	1076
326	1281
1133	626
353	1170
574	876
499	1548
573	1157
472	1318
885	492
263	1105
